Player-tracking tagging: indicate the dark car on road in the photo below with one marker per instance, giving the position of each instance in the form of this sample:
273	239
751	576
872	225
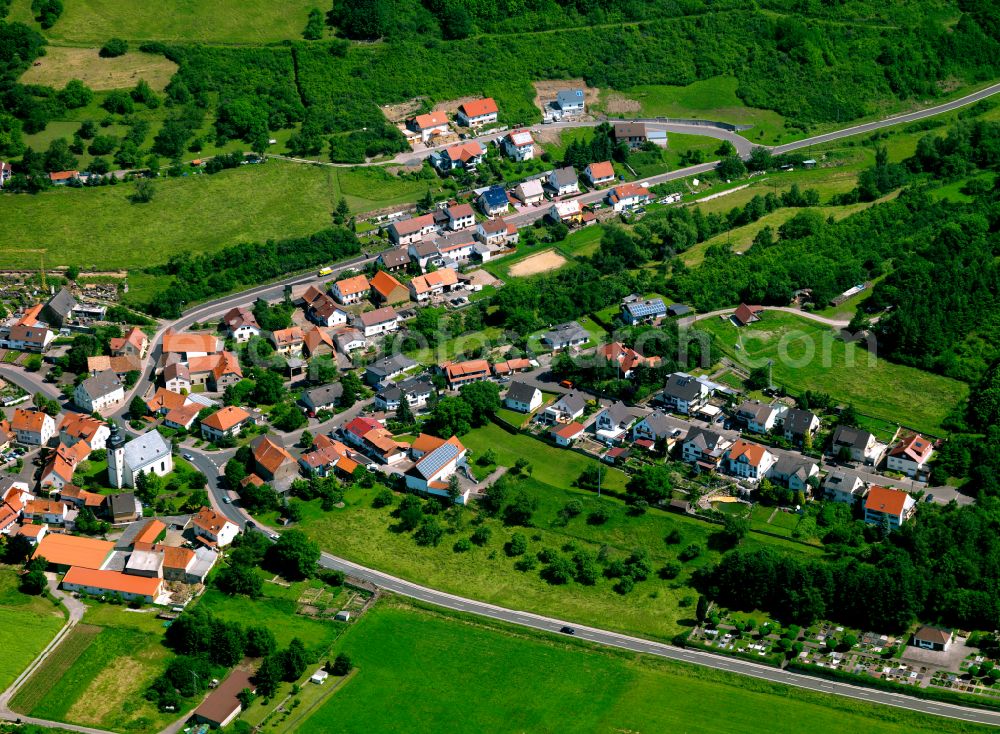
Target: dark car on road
568	631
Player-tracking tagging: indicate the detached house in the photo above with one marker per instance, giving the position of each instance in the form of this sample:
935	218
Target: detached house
240	324
568	212
351	290
640	312
324	397
99	392
910	456
599	174
613	422
216	529
654	427
496	232
704	449
628	196
522	397
188	344
626	358
388	368
394	260
564	181
388	290
493	201
32	427
634	134
570	101
794	472
519	145
749	460
745	315
429	125
288	341
564	336
316	342
860	445
273	463
225	423
380	321
325	312
529	192
134	344
424	287
77	427
467	156
843	486
416	391
28	338
432	472
798	424
461	373
565	409
478	113
460	216
759	417
891	507
565	435
415	229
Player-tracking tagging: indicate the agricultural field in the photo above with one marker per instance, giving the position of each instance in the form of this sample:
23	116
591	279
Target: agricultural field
199	213
27	625
93	22
397	648
808	356
657	607
100	672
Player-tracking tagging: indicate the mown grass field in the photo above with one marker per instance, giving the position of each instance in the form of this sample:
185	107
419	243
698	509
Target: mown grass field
97	676
62	63
808	356
220	21
99	227
27	625
367	535
562	685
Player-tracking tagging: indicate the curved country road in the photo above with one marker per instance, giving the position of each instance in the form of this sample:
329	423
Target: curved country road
833	323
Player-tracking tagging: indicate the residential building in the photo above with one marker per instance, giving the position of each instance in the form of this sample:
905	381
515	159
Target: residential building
910	456
937	639
63	178
570	102
612	423
425	287
165	400
425	254
121	366
634	134
409	231
369	435
388	290
519	145
102	583
641	312
568	212
798	424
58	310
213	527
48	512
394	260
497	232
416	391
145	454
273	463
511	366
566	434
795	472
522	397
478	113
566	408
455	248
684	393
134	344
28	338
565	336
190	344
600	174
288	341
32	427
493	201
324	456
759	417
380	321
860	445
462	373
177	377
226	422
704	449
78	427
121	507
349	340
563	181
388	368
655	427
215	371
323	397
351	290
61	464
888	507
460	216
432	471
749	460
843	486
99	392
429	125
326	312
240	324
530	192
466	155
182	418
745	315
626	358
628	196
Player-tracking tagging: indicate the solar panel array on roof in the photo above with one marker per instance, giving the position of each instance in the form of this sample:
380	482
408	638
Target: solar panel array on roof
436	459
642	309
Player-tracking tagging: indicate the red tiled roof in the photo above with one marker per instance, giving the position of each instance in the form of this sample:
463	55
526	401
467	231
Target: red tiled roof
350	286
384	284
432	119
479	107
174	341
226	418
112	580
603	169
28	420
471	367
747	314
886	500
569	430
753	451
270	455
209	520
916	448
437	279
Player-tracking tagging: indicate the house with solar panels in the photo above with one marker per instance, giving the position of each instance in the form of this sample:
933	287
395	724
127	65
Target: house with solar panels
639	312
431	472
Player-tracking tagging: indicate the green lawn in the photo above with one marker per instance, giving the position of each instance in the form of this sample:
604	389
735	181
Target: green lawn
221	21
27	625
709	99
561	685
100	228
807	356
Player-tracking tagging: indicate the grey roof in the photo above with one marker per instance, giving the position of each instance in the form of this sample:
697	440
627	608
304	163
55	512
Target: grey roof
659	423
101	384
144	561
62	303
388	366
204	559
122	503
348	335
678	309
569	98
437	458
619	413
411	386
850	436
682	387
145	449
565	176
706	441
798	421
324	394
789	465
425	249
841	480
645	309
395	258
572	402
566	333
521	392
756	409
378	316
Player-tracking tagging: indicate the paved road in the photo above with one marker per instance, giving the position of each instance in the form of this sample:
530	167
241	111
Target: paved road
30	381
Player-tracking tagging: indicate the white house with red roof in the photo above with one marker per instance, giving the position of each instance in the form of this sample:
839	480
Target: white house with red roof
749	460
599	174
460	216
213	528
429	125
432	471
412	230
565	435
890	506
519	145
910	456
628	196
467	155
478	112
351	290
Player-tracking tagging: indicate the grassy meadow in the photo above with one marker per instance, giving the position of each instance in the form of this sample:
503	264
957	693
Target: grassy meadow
27	625
570	686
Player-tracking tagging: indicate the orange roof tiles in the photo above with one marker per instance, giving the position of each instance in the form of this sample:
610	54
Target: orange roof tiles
80	426
112	580
352	285
753	451
72	550
164	399
28	420
471	367
183	415
437	279
226	418
270	455
209	520
384	284
603	169
432	119
189	341
150	531
479	107
426	442
889	501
